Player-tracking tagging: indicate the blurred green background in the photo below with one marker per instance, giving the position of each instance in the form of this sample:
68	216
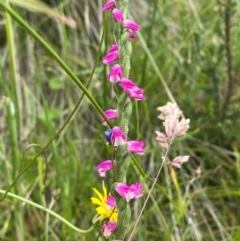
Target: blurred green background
187	51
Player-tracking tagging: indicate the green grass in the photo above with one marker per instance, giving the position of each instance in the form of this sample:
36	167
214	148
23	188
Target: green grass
180	55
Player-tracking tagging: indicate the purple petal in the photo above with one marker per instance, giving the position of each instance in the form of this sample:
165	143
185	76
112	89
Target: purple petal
115	74
103	167
117	15
110	114
130	25
109	5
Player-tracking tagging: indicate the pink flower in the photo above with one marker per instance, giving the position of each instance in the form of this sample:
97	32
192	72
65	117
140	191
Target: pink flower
117	15
110	114
118	138
103	167
178	161
162	139
112	55
115	74
136	93
109	5
113	48
129	192
129	24
110	58
136	146
111	201
132	35
108	228
132	89
127	84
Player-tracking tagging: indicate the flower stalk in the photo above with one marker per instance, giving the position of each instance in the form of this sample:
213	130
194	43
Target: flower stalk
118	59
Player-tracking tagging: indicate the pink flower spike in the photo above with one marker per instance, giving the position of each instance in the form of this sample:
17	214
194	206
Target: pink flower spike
111	201
110	114
109	5
118	138
108	228
115	74
129	192
136	146
132	35
117	15
178	161
130	25
103	167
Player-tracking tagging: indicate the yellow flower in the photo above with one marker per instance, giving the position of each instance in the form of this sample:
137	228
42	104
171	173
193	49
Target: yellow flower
104	211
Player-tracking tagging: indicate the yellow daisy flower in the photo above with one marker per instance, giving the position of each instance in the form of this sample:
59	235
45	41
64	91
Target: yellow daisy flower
104	211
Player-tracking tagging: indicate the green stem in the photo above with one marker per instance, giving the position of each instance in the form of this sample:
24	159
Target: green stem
48	211
150	192
13	120
48	48
137	120
12	59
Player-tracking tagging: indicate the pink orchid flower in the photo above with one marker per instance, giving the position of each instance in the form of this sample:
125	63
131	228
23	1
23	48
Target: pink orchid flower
108	228
112	55
136	146
103	167
118	138
115	75
117	15
129	192
109	5
110	114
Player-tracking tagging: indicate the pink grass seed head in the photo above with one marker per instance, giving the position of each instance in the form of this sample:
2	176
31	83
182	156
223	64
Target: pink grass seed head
169	111
162	139
178	161
175	128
